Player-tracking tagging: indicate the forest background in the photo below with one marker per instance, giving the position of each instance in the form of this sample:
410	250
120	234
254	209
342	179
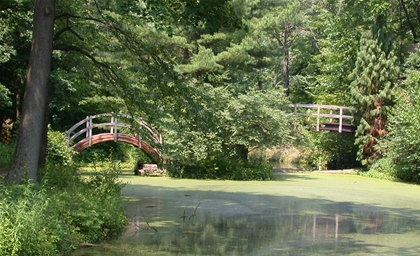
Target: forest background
215	78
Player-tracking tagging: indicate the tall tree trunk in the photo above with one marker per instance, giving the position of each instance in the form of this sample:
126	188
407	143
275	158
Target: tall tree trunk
286	60
286	71
34	107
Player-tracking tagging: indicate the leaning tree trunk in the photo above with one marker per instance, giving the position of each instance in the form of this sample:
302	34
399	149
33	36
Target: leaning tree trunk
34	107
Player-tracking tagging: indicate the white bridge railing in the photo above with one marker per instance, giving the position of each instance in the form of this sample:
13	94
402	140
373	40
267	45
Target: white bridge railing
325	114
87	125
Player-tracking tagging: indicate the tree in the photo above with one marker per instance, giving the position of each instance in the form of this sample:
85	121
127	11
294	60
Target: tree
35	103
372	91
285	23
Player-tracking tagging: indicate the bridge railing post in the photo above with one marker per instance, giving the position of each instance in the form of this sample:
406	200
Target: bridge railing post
139	136
111	130
340	127
115	125
317	118
309	114
331	113
89	129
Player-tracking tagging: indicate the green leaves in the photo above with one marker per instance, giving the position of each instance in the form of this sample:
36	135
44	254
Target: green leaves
402	144
372	93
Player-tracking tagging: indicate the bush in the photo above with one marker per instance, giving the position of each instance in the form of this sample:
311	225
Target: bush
383	168
58	150
52	218
254	169
29	225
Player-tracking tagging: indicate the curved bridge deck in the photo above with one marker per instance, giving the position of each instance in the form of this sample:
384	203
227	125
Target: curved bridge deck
137	133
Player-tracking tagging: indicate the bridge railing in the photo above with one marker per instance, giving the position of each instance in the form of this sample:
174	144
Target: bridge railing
324	114
86	126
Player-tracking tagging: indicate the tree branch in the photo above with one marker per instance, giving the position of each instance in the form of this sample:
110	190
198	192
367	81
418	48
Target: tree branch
58	34
84	52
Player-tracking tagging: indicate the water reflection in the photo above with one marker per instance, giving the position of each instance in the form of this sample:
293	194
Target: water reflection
166	222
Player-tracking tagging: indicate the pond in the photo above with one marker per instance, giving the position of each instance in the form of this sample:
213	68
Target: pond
297	214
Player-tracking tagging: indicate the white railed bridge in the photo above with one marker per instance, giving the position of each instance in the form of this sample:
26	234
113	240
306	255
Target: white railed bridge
326	117
118	128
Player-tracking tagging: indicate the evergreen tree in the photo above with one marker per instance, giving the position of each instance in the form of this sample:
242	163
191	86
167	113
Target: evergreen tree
372	91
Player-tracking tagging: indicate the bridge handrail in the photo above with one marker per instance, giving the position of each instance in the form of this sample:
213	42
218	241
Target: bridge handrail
334	107
319	115
113	124
84	130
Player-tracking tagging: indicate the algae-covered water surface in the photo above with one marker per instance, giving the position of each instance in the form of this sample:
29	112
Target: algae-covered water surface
297	214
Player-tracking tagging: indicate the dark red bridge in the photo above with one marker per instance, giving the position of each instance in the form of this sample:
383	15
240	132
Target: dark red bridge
122	128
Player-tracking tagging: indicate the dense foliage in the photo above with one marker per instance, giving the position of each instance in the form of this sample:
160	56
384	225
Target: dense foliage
60	213
222	169
401	146
215	77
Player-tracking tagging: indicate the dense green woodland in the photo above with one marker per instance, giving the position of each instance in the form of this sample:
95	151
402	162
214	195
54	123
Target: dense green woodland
215	77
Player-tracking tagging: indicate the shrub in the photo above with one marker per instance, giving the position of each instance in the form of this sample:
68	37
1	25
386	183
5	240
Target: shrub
52	218
29	225
221	169
58	151
383	168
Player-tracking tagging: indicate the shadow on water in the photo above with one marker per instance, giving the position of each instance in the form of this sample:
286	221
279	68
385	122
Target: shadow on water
191	221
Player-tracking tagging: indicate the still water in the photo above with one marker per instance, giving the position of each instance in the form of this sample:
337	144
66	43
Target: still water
298	214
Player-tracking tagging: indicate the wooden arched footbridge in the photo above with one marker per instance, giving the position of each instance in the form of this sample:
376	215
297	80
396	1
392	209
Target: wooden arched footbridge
118	128
326	117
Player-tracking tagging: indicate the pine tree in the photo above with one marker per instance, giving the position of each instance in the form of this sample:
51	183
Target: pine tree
372	91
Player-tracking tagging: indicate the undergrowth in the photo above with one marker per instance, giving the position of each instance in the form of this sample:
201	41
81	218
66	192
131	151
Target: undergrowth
254	169
62	211
6	153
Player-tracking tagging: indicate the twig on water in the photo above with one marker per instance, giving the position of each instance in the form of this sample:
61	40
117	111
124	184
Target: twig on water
194	213
147	223
183	217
